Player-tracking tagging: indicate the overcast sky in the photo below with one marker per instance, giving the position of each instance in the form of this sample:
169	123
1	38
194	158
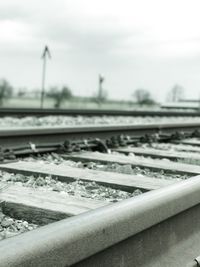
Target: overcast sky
150	44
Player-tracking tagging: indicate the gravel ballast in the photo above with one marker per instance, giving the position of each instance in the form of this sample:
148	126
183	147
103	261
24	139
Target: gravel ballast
10	227
77	188
173	147
63	121
110	167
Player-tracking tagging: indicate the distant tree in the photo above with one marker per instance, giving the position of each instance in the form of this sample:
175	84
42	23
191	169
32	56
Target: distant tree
6	90
176	93
66	93
59	95
21	92
143	97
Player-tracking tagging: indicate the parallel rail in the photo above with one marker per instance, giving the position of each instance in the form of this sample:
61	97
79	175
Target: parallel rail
56	135
156	229
21	112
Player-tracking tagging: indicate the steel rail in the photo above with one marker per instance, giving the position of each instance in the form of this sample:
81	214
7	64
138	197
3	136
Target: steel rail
23	136
21	112
158	228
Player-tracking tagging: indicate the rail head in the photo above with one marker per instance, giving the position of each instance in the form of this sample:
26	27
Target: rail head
97	128
69	241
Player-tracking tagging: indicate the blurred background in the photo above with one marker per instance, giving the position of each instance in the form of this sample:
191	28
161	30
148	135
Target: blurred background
101	54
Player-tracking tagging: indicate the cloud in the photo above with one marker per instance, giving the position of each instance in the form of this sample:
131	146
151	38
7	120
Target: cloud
130	41
120	27
12	13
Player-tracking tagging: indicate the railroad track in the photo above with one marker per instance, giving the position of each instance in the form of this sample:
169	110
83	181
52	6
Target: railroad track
154	221
57	135
22	112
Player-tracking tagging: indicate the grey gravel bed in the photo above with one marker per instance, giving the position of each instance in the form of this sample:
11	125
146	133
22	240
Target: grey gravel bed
178	148
10	227
174	147
77	188
110	167
31	121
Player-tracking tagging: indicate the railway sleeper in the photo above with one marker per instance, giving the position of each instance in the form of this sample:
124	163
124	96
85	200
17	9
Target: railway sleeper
41	206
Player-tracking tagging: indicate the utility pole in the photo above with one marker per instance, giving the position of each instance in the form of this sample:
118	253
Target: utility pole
44	57
101	80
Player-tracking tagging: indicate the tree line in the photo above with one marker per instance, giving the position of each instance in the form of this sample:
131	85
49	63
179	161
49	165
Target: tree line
60	94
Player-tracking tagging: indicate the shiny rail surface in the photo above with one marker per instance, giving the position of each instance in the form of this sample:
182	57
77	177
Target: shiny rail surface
22	112
158	228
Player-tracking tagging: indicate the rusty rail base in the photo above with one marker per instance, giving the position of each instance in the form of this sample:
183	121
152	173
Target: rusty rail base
158	228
